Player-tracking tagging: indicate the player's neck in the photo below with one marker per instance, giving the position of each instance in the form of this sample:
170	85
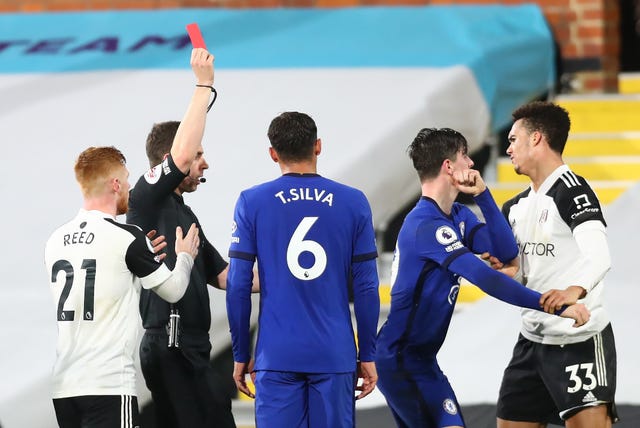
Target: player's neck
304	167
543	170
105	204
441	191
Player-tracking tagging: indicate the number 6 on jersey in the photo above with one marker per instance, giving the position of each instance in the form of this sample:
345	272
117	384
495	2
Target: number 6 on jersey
298	245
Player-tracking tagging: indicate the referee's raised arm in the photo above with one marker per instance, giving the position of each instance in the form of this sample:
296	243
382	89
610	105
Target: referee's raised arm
188	139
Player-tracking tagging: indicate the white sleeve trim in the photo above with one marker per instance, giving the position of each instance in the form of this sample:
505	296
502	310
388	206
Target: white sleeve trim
591	238
174	286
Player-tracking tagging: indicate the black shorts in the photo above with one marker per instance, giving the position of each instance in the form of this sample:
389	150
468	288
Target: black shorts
551	383
97	411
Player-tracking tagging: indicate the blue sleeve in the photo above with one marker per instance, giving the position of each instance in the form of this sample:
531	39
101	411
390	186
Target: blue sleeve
495	235
366	305
364	242
243	236
239	280
495	283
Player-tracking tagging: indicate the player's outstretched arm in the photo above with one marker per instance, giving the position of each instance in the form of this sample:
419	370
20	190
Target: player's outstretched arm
506	289
191	130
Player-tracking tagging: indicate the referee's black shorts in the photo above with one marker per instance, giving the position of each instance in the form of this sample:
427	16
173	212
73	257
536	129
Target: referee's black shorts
551	383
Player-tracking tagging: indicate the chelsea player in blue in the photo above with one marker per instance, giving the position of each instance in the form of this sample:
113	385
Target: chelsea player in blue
312	237
436	247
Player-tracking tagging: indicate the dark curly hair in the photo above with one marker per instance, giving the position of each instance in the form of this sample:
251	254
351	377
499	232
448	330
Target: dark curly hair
549	119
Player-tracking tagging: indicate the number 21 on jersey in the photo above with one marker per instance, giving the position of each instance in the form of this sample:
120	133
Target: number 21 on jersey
89	282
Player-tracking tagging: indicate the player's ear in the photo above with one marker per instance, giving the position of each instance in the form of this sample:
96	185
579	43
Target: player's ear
535	137
273	154
317	148
115	184
446	167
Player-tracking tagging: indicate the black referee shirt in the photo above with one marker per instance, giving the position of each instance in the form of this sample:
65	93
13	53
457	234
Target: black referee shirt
154	204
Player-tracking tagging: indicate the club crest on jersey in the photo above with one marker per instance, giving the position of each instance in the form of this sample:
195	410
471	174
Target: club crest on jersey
449	406
448	237
543	216
153	175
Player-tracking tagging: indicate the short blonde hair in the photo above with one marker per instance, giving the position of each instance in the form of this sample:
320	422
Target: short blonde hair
95	165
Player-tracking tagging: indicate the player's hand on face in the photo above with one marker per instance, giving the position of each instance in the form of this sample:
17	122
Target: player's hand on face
202	66
468	181
239	376
578	312
158	243
367	372
190	243
553	300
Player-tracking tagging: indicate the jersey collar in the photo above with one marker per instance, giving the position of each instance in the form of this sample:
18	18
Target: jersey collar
551	179
301	174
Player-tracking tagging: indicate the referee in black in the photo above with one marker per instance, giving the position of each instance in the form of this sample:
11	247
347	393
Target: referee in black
175	348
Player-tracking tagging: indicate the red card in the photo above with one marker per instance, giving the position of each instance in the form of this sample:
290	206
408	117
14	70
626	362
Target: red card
196	36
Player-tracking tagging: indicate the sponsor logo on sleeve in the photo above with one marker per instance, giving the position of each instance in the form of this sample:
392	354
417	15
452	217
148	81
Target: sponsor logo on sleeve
234	228
582	201
448	237
584	204
165	166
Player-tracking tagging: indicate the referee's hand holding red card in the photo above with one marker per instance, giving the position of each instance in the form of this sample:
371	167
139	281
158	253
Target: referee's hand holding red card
202	65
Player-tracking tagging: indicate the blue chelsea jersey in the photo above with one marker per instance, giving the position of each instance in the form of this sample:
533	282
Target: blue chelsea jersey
424	292
306	232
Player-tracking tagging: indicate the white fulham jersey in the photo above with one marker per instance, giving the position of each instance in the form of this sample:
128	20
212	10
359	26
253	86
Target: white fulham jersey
543	223
96	267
